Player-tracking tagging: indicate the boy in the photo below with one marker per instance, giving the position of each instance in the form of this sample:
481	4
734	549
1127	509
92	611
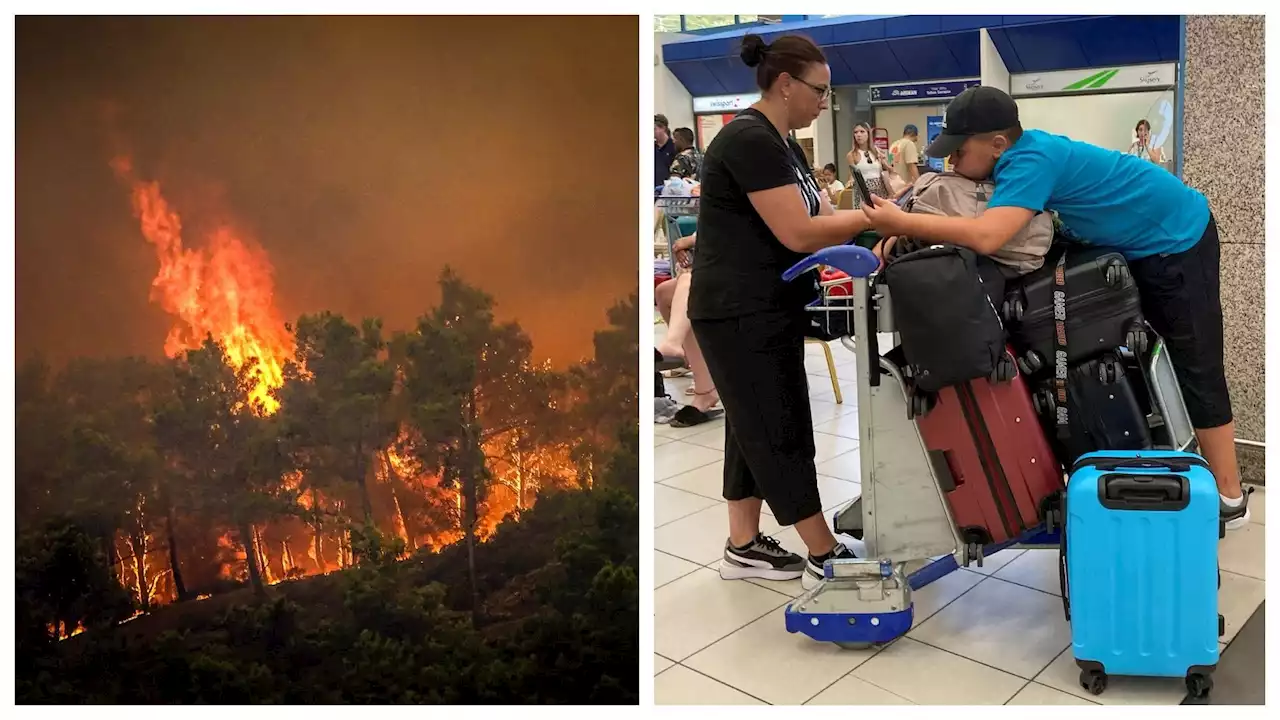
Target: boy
1164	229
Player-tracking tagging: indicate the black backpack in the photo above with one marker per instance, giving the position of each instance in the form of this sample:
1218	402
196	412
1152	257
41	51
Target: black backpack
943	309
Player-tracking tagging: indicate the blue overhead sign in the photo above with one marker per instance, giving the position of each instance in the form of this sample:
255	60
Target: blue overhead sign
921	92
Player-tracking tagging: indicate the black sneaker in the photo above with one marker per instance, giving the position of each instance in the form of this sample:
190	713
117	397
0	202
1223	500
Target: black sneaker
761	558
813	573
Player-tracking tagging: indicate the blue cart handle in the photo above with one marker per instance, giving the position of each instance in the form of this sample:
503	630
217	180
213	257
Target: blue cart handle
853	260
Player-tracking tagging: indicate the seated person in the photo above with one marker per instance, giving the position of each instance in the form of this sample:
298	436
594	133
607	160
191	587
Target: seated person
672	299
1164	229
830	183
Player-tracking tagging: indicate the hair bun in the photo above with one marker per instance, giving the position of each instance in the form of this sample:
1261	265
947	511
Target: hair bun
753	50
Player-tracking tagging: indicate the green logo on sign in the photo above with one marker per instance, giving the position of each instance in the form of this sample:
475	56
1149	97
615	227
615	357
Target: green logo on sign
1094	81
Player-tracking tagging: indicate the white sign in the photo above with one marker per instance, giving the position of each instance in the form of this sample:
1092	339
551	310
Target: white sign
724	103
1095	80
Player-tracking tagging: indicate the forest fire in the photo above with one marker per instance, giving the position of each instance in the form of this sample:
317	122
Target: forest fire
224	290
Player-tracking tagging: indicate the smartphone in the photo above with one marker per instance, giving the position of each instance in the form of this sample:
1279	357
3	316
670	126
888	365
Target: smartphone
862	187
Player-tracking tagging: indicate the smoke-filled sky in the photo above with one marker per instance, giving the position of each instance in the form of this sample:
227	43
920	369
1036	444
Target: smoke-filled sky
363	154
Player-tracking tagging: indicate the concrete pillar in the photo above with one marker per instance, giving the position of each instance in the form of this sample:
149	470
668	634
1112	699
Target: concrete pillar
1224	156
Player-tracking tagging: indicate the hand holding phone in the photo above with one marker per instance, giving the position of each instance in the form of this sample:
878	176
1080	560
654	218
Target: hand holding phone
863	190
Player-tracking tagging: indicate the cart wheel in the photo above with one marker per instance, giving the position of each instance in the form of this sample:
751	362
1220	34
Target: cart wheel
1117	273
1109	370
1096	682
1019	308
1199	685
1006	310
1044	403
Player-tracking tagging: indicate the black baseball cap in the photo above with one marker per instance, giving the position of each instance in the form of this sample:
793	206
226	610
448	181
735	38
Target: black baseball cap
975	111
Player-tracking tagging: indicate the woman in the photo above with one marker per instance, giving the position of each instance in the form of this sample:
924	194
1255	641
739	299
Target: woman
762	212
868	160
672	299
1142	144
831	183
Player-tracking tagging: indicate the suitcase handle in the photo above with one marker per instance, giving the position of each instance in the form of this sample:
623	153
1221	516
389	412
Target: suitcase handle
1062	562
1173	464
1143	492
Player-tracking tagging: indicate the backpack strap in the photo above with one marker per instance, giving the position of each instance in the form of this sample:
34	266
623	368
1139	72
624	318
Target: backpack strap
1060	345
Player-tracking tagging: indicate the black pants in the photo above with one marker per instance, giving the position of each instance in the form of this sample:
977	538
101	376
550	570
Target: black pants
757	364
1181	299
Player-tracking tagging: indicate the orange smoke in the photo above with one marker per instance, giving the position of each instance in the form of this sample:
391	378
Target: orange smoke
224	289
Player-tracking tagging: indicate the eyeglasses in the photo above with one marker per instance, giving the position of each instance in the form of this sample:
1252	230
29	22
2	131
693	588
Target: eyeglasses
824	92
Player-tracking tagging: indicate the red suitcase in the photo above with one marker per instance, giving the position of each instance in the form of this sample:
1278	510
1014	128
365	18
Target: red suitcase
997	465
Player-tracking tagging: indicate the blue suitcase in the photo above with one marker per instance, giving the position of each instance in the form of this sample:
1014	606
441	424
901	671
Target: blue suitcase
1139	567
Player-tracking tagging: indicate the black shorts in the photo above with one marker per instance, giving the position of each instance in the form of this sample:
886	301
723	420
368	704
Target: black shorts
1180	298
757	364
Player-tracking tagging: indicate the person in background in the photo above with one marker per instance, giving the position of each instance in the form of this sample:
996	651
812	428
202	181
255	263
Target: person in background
687	164
762	212
1141	146
672	299
664	150
906	155
830	182
868	160
1164	229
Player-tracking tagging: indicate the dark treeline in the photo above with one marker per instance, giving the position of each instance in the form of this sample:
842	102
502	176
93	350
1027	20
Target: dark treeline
426	516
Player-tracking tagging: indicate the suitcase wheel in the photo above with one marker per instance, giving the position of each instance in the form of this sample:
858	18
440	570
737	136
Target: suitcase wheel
1005	369
1043	402
1095	681
1110	370
1013	308
919	404
1031	363
1199	685
1117	273
1136	340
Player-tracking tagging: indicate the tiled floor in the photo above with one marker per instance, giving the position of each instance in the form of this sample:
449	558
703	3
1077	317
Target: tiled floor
983	636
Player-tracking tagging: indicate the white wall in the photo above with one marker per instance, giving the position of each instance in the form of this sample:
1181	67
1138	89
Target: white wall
1104	120
824	141
992	68
670	97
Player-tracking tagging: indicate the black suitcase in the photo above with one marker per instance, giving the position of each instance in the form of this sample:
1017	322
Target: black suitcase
1102	309
1103	409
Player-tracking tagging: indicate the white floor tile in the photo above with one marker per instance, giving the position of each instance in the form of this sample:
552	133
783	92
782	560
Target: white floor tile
682	686
1238	598
1063	674
828	447
1037	694
931	598
846	467
1035	569
824	391
845	426
660	663
670	504
678	457
659	441
669	567
707	481
791	588
799	668
992	563
824	411
700	608
700	538
707	436
902	669
850	690
1244	551
1003	625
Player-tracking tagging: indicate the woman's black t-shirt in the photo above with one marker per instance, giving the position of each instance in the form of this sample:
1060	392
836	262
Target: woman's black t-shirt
739	264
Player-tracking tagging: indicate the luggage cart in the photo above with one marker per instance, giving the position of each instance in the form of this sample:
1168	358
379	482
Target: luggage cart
905	521
672	208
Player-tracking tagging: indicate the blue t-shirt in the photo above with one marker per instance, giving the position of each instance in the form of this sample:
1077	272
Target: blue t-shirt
1107	197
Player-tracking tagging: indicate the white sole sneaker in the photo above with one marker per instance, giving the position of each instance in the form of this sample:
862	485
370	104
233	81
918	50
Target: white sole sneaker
729	571
1237	523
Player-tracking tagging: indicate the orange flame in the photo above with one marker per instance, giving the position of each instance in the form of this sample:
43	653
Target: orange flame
224	289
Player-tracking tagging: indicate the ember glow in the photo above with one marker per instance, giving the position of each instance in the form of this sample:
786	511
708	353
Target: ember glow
223	289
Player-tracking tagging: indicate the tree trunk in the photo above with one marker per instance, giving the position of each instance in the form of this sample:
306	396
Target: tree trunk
470	480
178	585
251	559
363	466
139	541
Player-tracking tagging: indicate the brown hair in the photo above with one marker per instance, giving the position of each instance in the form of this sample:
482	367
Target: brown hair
788	54
1142	122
